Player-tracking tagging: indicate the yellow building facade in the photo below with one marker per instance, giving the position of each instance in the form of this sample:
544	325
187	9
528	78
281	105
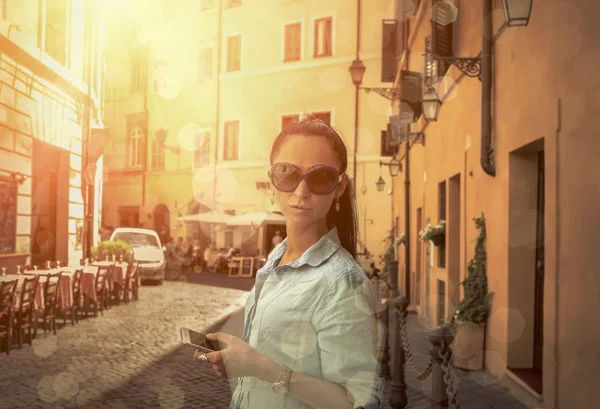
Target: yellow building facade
537	196
197	92
50	70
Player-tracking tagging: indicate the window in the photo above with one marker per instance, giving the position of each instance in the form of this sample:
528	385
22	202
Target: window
207	5
442	29
292	42
56	29
8	214
229	4
201	149
234	53
160	73
138	74
323	37
323	116
442	216
135	147
232	136
287	120
205	64
158	154
4	10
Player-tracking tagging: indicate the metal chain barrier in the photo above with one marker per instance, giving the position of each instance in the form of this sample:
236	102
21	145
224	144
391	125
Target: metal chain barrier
409	355
449	379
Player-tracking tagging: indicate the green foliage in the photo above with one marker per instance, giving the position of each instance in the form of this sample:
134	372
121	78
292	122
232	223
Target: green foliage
390	242
117	248
476	304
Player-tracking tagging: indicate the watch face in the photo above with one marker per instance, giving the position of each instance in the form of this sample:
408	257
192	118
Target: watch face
279	388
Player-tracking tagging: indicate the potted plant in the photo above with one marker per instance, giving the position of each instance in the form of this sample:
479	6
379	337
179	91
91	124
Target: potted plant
471	313
436	233
107	249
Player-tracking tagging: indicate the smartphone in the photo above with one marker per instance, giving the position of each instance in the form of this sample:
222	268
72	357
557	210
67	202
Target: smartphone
197	340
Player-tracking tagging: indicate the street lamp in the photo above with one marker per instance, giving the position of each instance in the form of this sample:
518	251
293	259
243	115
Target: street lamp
357	71
380	184
517	12
395	167
431	105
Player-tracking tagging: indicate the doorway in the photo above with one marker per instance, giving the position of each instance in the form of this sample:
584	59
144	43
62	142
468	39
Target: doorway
46	160
526	264
162	225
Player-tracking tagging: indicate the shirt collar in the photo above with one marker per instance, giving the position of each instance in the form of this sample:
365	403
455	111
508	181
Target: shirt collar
316	254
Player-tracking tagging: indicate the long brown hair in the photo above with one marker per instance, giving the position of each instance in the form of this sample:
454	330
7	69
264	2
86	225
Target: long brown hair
345	218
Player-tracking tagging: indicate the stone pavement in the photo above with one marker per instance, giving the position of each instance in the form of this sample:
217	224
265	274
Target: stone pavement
476	390
130	357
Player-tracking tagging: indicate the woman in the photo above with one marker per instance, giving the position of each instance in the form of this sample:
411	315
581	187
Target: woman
309	327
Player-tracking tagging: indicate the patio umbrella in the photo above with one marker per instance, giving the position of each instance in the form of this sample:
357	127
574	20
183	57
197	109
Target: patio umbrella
256	218
208	217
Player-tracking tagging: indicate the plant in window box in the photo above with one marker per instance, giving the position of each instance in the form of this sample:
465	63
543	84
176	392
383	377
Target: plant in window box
436	233
471	313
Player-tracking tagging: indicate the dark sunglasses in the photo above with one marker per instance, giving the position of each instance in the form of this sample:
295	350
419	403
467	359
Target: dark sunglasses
321	180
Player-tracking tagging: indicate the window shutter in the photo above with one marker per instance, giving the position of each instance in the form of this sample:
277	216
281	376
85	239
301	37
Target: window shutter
441	32
411	91
389	61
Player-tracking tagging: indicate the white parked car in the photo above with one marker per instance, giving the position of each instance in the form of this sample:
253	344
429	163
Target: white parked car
147	250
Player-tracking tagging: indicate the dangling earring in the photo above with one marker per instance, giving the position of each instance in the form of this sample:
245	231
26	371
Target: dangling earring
273	198
337	204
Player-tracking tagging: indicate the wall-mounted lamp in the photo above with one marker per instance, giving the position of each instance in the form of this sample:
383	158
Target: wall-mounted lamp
431	105
394	165
517	12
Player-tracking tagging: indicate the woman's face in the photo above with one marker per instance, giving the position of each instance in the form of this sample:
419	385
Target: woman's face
301	206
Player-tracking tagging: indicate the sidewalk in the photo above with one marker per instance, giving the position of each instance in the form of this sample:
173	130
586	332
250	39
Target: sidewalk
476	390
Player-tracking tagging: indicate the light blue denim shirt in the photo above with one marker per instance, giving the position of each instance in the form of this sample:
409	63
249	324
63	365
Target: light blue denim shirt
315	316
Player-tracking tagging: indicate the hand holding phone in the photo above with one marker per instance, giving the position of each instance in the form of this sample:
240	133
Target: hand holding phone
197	340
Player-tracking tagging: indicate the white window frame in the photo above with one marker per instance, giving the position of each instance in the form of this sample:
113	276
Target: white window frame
313	19
135	143
302	39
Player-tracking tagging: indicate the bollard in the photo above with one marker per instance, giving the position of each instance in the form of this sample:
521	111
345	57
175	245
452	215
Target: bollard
399	399
440	339
385	356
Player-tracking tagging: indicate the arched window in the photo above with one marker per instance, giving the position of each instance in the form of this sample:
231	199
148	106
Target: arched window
135	156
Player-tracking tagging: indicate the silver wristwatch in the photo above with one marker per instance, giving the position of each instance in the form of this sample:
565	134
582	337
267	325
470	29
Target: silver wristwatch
281	385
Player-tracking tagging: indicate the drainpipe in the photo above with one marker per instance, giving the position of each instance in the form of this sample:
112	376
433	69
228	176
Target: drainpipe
487	163
218	102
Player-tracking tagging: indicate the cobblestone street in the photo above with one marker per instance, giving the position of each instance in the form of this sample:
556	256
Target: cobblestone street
130	357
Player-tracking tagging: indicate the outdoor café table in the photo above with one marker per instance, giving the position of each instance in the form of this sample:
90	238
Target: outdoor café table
38	301
65	285
118	272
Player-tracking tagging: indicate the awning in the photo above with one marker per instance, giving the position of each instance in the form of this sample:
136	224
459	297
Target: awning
256	218
208	217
